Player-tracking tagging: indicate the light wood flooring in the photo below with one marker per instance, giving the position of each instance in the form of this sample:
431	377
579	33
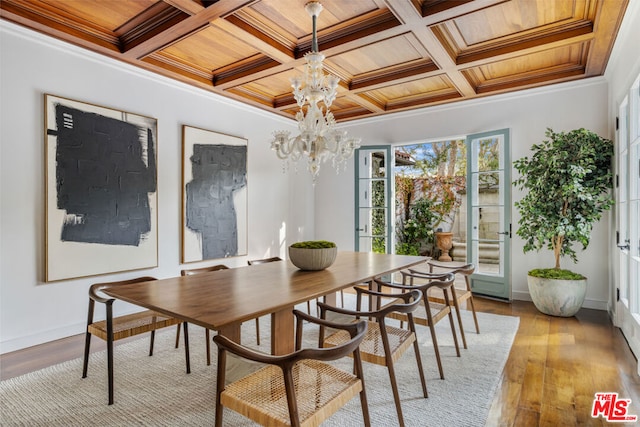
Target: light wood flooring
554	368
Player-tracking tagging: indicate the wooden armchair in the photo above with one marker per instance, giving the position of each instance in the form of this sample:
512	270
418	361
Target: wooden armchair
383	344
463	293
114	328
264	260
191	272
297	389
434	312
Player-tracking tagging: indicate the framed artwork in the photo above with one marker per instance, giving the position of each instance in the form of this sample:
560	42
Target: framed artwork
214	197
101	196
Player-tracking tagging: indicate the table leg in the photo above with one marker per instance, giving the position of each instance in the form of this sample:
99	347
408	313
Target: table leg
282	331
231	331
331	299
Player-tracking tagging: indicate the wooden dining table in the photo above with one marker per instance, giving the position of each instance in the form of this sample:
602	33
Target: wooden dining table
221	300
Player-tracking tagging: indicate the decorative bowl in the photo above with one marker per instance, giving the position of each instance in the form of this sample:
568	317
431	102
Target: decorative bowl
312	259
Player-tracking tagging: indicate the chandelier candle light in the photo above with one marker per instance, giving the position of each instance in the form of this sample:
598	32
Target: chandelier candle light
318	138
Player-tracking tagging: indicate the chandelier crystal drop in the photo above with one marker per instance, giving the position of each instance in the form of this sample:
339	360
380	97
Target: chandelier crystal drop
318	139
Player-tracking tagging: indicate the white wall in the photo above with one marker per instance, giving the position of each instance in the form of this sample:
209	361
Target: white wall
527	114
32	312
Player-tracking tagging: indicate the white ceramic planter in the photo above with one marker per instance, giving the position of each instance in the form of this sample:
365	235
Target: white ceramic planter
557	297
312	259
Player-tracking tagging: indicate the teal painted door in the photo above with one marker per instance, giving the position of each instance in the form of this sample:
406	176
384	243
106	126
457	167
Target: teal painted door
373	199
489	212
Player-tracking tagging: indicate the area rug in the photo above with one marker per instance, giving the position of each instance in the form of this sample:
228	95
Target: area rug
156	391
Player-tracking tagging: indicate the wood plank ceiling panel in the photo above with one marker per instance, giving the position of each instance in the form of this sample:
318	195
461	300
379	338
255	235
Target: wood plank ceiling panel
390	55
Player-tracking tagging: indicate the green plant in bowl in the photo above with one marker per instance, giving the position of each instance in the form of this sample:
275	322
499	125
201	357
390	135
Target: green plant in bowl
313	254
314	244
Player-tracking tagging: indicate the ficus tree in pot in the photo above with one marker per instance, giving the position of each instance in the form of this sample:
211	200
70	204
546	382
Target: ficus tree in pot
567	182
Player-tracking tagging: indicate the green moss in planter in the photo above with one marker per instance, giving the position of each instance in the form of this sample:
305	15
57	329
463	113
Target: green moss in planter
314	244
555	273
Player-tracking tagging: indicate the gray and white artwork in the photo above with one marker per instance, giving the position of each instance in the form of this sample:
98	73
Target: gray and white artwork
101	190
214	200
105	170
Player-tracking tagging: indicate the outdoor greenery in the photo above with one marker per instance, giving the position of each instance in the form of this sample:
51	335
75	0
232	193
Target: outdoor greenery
378	220
437	180
428	193
417	228
567	183
314	244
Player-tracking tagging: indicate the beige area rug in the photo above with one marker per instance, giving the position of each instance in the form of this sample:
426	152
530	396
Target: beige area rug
156	391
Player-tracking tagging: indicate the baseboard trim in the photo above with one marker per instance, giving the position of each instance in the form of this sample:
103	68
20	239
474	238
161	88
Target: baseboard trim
588	303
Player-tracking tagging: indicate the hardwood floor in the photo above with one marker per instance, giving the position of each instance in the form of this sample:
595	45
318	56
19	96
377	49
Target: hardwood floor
555	366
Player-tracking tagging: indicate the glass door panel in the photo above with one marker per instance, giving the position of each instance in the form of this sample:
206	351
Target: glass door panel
372	200
627	205
489	226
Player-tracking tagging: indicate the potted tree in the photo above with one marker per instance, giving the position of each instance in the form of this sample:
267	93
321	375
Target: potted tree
567	182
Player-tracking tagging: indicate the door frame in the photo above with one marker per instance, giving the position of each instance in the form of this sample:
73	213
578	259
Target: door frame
389	166
492	285
626	261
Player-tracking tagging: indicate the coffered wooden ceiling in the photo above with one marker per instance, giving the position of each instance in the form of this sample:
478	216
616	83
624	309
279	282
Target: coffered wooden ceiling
390	55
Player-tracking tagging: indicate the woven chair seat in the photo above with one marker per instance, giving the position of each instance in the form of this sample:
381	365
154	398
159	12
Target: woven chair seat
124	326
438	311
320	388
132	324
371	347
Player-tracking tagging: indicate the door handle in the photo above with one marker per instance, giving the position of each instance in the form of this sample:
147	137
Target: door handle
626	246
505	233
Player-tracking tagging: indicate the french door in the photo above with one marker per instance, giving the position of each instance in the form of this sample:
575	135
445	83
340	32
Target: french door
627	291
489	212
374	170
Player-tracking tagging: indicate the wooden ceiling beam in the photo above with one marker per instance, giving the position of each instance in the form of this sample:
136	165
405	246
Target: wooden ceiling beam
388	45
40	17
445	62
149	24
583	38
187	26
608	17
411	71
190	7
365	102
262	42
487	51
409	14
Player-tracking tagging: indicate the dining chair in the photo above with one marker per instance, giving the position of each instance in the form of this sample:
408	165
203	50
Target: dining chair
264	261
295	389
463	293
191	272
434	312
114	328
383	344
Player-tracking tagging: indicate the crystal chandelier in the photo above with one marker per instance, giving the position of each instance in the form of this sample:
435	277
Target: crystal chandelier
318	138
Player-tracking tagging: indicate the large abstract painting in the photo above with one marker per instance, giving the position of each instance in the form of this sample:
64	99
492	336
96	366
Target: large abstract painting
101	190
214	200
